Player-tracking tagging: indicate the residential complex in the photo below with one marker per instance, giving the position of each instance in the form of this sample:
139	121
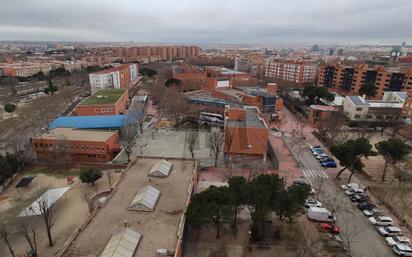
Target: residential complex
122	76
298	72
349	79
104	102
69	144
246	133
28	69
388	109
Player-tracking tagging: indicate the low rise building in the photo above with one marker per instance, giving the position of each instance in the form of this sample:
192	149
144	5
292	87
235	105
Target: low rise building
246	133
321	116
104	102
389	109
69	144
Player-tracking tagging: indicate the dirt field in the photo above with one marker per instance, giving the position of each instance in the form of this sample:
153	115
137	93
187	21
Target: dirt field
158	228
70	211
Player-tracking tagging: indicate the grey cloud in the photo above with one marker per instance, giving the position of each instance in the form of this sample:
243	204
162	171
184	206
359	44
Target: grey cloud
231	21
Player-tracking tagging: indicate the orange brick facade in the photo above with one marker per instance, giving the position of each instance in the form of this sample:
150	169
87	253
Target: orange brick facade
103	109
349	79
76	151
321	116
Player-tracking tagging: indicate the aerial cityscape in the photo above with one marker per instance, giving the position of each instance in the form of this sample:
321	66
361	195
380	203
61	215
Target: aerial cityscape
206	129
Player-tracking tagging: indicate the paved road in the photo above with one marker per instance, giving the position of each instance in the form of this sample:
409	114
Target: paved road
362	238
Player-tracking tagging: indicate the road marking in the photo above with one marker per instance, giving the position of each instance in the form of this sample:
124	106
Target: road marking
316	173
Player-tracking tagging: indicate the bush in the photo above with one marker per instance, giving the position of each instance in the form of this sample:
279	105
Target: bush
90	175
10	107
353	124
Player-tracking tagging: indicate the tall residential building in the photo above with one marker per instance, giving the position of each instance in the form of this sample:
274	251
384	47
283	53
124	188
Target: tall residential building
349	79
298	72
117	77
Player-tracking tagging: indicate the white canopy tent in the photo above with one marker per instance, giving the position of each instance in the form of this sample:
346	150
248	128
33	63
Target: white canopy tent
145	199
48	199
160	169
122	244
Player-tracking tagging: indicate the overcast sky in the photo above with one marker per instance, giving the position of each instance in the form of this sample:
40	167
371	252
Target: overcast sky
209	21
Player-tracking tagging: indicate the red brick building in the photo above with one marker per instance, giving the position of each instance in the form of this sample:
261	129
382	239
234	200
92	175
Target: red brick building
320	115
104	102
69	144
246	133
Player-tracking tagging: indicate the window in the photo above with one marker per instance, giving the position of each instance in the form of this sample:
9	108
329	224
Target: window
359	109
357	116
369	116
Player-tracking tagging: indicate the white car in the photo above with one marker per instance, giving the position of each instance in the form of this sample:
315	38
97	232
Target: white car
350	186
395	240
350	192
372	212
312	203
389	231
402	250
381	220
320	156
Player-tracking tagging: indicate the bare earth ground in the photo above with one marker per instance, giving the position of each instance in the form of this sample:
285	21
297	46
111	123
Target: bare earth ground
70	211
158	228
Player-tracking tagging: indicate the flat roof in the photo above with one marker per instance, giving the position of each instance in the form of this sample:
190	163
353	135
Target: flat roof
252	119
159	229
323	108
90	122
105	96
77	135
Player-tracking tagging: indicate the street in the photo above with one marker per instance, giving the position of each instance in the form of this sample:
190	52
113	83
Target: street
362	238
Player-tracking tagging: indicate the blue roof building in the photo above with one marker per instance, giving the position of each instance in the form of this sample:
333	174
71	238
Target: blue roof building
90	122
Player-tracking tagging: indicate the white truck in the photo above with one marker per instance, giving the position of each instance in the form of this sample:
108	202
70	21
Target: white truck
320	214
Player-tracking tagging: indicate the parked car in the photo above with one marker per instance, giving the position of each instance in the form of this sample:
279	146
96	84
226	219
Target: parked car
320	214
372	212
322	155
395	240
331	228
274	129
317	151
389	231
326	159
354	186
329	164
315	147
312	203
381	220
301	182
402	250
351	192
358	198
365	206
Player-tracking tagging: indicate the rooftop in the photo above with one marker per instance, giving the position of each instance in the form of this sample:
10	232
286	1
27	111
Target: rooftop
113	69
106	96
77	135
160	229
324	108
359	101
89	122
251	120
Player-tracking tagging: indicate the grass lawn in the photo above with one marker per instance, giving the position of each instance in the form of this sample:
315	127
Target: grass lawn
107	96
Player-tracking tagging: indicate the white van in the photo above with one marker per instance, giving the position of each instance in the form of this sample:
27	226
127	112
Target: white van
320	214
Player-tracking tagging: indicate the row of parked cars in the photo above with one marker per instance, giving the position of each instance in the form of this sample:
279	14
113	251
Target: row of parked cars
400	244
325	160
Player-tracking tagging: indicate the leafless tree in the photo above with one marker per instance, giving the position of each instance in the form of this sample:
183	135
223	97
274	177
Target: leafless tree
5	236
109	177
29	233
61	148
191	141
216	143
47	213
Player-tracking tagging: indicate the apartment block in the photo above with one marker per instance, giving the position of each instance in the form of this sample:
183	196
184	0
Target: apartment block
388	109
298	72
246	133
121	76
349	79
104	102
69	144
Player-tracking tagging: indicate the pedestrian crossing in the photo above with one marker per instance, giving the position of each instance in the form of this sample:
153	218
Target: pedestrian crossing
315	173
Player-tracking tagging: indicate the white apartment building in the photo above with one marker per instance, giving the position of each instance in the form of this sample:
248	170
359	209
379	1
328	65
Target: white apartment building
299	72
134	71
388	109
103	80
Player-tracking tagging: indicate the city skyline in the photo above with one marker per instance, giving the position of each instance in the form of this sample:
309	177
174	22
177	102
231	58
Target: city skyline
242	22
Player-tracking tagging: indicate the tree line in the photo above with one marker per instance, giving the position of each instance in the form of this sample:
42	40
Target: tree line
263	195
9	165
